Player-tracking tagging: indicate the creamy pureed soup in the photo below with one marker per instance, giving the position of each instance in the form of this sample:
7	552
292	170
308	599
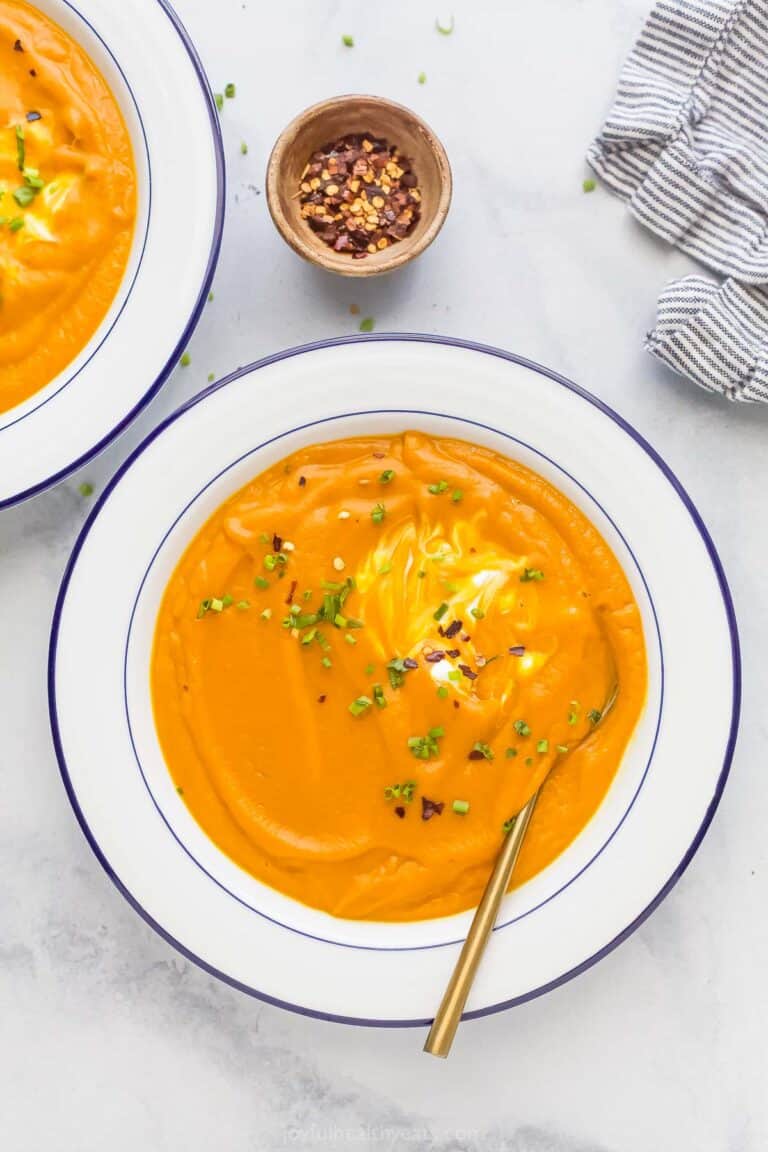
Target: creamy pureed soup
371	656
67	200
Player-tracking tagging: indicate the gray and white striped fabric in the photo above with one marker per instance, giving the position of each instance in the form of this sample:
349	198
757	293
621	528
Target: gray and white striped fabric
686	145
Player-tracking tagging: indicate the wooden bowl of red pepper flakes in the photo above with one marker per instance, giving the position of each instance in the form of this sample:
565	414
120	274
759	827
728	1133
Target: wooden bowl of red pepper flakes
358	185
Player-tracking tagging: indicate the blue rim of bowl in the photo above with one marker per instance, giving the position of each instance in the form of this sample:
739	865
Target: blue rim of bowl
213	256
471	346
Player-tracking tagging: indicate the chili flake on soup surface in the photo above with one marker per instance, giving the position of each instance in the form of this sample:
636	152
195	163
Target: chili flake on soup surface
67	200
371	656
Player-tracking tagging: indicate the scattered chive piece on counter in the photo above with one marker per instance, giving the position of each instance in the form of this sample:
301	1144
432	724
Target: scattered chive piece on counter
219	98
348	41
85	489
360	705
422	78
542	746
481	751
243	148
210	296
589	185
229	91
367	324
531	574
521	728
460	807
359	195
211	377
445	29
186	360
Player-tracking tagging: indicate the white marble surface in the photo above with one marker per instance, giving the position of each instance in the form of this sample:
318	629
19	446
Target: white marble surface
108	1038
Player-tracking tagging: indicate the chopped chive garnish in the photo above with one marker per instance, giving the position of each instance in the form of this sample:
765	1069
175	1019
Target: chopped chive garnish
477	613
461	807
306	594
457	495
379	698
366	324
369	669
264	538
186	360
594	716
348	41
422	747
510	753
260	582
421	574
529	760
360	705
562	748
408	790
16	224
441	611
326	662
243	604
542	746
443	692
521	728
454	674
481	751
530	574
387	476
229	91
378	513
216	605
266	614
309	636
211	377
20	148
340	621
274	560
396	670
210	296
385	568
295	610
508	825
573	715
205	606
438	488
350	639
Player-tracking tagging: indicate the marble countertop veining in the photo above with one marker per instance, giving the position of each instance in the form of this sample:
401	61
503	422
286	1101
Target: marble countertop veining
108	1038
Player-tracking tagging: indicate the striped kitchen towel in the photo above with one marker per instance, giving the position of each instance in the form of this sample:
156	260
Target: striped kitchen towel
686	145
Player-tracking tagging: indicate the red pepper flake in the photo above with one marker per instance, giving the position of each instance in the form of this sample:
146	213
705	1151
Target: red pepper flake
454	627
18	47
321	699
277	543
456	704
294	586
410	663
517	650
467	671
378	455
302	481
434	657
440	630
453	652
466	639
359	195
430	808
400	811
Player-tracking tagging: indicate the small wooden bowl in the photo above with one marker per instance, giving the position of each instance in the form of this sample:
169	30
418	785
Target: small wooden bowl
325	122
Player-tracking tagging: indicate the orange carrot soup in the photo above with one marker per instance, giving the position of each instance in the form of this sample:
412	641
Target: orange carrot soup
67	200
372	655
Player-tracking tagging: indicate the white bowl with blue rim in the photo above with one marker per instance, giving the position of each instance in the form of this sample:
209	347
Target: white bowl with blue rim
148	60
618	868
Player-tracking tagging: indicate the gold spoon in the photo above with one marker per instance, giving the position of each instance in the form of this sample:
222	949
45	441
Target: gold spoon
448	1015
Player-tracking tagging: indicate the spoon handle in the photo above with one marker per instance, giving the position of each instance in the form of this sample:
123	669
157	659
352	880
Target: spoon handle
448	1015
